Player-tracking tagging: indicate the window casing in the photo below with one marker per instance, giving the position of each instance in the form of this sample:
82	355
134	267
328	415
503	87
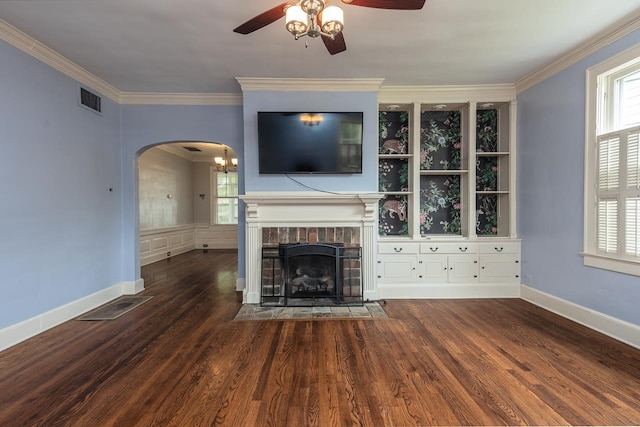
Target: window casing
224	206
612	164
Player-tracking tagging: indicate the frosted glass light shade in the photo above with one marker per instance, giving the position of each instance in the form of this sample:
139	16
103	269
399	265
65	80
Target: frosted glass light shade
332	20
297	22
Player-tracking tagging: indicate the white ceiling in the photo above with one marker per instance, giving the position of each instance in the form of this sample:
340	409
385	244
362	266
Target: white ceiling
188	46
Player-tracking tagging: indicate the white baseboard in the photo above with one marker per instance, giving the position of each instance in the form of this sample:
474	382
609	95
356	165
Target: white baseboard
22	331
250	297
240	283
159	256
620	330
448	290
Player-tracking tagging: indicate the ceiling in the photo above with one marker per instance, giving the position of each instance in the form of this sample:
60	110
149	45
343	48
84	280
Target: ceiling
188	46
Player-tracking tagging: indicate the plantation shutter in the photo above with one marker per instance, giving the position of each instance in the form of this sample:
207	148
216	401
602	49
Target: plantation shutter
608	225
609	163
633	160
632	227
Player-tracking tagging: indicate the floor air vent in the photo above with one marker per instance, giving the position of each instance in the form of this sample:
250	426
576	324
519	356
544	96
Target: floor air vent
90	100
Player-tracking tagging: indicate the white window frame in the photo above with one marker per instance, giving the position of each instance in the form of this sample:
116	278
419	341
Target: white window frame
213	179
614	261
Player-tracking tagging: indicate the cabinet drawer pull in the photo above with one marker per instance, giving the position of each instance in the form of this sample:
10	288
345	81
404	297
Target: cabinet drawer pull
500	249
397	249
434	249
463	249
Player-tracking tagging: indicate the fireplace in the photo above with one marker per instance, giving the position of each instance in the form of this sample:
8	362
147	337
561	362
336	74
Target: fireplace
308	274
277	219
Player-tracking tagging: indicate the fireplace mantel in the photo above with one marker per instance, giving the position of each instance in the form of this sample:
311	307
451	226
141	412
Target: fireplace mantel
306	209
259	203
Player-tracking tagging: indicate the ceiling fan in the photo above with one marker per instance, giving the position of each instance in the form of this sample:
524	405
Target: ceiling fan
315	18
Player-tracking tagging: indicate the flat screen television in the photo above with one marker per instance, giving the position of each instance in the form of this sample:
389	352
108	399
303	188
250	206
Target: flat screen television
309	142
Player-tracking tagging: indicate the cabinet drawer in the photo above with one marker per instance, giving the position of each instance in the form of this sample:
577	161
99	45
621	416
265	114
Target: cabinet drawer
499	248
448	248
397	248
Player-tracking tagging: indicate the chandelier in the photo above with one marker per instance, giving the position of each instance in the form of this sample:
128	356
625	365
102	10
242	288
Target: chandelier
302	19
224	164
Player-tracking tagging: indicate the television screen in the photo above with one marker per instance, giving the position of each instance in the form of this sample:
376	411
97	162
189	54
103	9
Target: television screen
314	142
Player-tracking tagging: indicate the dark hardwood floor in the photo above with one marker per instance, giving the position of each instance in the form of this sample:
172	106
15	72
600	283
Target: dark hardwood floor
180	360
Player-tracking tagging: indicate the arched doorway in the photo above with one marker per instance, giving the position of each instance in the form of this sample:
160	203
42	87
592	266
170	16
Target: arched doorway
187	198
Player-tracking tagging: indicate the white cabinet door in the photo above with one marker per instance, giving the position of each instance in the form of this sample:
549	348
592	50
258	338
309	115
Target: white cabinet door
504	268
463	268
433	268
397	268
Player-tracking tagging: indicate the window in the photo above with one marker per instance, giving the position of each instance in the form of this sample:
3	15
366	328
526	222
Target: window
612	169
350	146
225	197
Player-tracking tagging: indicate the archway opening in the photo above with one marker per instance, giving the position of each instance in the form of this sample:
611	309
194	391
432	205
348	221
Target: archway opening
187	198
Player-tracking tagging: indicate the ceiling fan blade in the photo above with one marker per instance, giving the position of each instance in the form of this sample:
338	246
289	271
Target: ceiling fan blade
388	4
264	19
336	45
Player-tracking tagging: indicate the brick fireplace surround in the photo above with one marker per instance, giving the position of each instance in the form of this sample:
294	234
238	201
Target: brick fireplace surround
301	217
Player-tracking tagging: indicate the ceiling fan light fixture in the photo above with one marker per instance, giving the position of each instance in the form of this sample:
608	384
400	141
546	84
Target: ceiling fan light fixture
297	22
312	7
332	20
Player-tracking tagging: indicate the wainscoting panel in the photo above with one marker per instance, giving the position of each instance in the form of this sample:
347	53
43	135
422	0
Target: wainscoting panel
159	244
216	236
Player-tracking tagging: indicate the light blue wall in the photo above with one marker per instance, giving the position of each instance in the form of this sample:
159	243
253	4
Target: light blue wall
60	226
144	126
366	102
551	132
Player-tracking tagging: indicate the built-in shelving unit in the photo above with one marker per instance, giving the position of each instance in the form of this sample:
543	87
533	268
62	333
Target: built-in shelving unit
446	219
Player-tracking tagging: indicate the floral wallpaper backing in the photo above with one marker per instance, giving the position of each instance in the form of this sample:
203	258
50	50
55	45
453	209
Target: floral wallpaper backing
487	172
440	140
393	129
487	215
440	205
393	216
393	173
487	130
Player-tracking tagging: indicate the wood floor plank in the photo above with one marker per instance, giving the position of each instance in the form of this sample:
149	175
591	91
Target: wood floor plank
181	359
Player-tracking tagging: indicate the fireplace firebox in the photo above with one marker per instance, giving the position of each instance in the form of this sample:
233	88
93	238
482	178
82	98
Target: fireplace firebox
304	274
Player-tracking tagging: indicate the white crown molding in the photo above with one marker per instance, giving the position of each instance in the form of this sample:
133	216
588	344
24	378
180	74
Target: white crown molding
309	85
439	94
33	47
146	98
614	32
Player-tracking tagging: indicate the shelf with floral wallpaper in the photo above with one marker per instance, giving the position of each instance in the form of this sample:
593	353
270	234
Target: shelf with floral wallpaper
442	172
492	154
394	166
436	181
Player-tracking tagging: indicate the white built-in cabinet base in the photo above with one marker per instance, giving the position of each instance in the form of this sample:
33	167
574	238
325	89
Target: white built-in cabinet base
449	269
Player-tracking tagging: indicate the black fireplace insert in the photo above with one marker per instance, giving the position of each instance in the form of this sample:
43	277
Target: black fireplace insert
311	275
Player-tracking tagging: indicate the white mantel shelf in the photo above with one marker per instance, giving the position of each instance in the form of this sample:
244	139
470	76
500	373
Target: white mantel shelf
309	209
276	197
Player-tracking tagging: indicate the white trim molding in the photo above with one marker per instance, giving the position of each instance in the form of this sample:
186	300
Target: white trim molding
143	98
29	328
33	47
309	85
446	93
616	31
620	330
620	265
